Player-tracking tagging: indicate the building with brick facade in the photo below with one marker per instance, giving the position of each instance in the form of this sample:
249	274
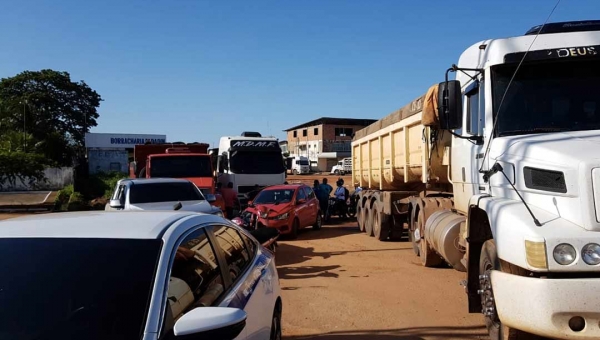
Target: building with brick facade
324	140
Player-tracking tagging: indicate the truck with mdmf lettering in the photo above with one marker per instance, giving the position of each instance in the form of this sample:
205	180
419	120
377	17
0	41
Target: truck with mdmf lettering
248	160
189	161
496	173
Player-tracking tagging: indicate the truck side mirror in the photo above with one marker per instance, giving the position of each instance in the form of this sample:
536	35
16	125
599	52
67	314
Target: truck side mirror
450	105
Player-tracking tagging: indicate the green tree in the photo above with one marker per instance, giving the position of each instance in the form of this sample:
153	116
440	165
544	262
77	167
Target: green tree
54	110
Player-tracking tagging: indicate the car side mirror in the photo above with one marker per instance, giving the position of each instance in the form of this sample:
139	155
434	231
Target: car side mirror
250	204
211	198
115	204
301	201
450	105
210	323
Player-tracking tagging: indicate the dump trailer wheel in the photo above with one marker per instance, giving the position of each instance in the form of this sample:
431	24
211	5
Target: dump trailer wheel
428	256
412	226
360	218
380	222
488	262
368	219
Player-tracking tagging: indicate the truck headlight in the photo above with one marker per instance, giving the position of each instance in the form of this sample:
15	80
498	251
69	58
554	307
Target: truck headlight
564	254
591	254
283	216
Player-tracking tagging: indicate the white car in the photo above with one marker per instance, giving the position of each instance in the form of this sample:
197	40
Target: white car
151	275
161	194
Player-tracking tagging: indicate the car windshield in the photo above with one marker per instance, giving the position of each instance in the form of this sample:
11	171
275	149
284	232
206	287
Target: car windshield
256	162
67	288
163	192
274	196
547	97
181	166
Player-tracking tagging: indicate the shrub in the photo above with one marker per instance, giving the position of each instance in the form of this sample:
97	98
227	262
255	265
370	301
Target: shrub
102	184
62	198
77	202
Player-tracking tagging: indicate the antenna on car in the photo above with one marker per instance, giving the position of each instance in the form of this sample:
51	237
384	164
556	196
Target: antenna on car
177	206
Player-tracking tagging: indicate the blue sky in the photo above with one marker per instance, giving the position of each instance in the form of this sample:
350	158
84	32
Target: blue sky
198	70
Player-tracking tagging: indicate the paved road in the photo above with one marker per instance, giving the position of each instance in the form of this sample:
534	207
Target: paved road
339	284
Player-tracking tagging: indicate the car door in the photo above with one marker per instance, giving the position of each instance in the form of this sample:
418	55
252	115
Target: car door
313	205
197	279
251	287
302	208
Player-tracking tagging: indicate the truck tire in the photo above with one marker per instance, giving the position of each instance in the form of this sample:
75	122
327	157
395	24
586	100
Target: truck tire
411	231
381	226
336	172
368	219
360	218
487	262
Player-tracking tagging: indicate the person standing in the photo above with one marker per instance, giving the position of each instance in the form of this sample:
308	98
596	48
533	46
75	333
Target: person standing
230	196
325	192
340	197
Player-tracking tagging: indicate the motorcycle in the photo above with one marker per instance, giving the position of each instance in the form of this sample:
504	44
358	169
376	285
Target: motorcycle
353	201
333	207
265	236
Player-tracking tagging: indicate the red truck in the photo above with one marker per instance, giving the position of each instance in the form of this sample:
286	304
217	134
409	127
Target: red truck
176	160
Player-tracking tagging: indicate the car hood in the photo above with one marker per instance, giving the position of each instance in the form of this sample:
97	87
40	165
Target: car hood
273	209
196	206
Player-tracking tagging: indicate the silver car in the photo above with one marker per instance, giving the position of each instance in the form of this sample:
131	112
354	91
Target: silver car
161	194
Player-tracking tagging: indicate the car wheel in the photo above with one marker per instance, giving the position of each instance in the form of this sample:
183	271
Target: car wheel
276	324
295	227
318	222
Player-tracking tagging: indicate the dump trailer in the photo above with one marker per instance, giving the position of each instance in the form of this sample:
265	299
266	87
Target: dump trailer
496	173
393	162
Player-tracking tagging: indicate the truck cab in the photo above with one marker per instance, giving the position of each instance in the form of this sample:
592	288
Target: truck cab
342	167
247	160
298	165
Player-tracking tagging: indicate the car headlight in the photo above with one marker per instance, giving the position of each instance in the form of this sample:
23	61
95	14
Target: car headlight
591	253
218	213
283	216
263	215
564	254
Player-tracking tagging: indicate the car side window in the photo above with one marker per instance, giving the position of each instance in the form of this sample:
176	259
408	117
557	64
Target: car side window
235	251
301	194
196	279
250	245
309	193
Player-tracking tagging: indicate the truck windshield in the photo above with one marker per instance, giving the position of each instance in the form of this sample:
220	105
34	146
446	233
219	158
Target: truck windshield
75	288
547	97
261	162
302	162
163	192
181	166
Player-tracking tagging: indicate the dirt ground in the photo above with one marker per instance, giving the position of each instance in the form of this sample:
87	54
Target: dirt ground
339	284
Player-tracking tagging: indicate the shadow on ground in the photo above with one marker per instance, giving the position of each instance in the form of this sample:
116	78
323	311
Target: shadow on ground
416	333
289	254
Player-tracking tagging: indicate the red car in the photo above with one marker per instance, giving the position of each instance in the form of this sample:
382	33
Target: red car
287	207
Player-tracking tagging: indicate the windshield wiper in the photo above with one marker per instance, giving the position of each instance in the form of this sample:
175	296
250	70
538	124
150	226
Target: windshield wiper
534	130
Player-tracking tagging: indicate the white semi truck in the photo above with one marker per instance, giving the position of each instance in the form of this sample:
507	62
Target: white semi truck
497	174
248	160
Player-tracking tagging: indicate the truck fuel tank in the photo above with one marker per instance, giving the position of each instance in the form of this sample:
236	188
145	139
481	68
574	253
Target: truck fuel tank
442	232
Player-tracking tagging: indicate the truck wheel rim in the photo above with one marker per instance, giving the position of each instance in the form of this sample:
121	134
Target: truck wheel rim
488	306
